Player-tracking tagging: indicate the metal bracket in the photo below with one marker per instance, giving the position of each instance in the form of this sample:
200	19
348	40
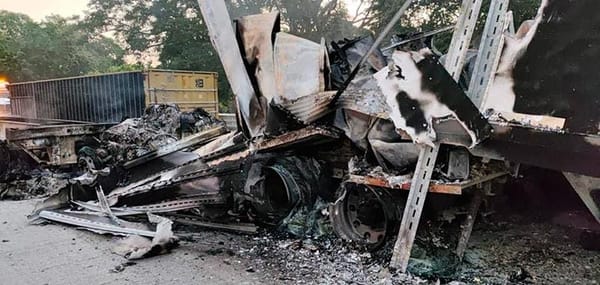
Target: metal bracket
489	51
414	207
461	38
425	165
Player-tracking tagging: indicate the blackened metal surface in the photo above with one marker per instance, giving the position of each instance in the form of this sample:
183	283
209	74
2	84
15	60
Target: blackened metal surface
565	152
437	80
547	149
558	73
278	185
345	56
105	98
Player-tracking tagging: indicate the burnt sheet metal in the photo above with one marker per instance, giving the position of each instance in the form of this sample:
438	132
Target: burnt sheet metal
560	151
306	137
308	109
162	207
575	153
364	96
190	141
234	227
188	181
256	34
390	149
378	137
252	111
550	66
419	89
97	223
345	55
299	67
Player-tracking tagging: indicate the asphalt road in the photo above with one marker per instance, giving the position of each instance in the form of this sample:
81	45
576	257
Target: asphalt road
56	254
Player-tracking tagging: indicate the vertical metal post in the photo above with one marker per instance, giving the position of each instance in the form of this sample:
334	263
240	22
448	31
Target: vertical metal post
467	225
420	183
414	206
489	52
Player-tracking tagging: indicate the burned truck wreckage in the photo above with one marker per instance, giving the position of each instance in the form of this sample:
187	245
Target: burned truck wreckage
342	137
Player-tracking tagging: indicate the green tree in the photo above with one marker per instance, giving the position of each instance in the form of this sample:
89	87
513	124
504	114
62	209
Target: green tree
55	47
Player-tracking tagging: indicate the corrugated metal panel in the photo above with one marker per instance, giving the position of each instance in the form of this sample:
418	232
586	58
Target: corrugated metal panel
187	89
101	98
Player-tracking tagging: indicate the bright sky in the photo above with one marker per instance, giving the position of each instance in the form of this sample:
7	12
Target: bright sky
39	9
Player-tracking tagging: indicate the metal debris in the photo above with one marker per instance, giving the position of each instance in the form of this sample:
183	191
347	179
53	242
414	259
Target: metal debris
330	139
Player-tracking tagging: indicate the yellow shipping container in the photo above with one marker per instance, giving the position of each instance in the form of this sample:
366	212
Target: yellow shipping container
187	89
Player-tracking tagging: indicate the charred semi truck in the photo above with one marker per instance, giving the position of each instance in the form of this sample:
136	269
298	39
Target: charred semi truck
371	133
531	100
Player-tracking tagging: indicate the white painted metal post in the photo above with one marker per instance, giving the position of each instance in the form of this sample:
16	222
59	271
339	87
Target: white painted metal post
489	52
420	183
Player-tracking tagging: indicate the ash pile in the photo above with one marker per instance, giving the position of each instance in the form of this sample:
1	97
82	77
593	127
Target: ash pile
22	178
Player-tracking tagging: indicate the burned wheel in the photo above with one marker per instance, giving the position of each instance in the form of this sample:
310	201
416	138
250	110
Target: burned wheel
365	214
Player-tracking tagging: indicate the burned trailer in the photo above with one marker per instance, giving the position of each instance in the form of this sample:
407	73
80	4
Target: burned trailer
302	95
113	97
344	133
396	115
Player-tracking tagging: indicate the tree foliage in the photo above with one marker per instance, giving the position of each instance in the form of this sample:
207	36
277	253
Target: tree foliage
56	47
172	32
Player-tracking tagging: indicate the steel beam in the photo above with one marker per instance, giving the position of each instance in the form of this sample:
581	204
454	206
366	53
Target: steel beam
414	207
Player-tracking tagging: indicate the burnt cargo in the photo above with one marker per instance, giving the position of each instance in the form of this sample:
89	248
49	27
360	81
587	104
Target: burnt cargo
110	98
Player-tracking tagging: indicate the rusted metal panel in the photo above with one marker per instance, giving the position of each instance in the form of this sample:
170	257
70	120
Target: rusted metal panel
454	189
187	89
308	109
307	136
